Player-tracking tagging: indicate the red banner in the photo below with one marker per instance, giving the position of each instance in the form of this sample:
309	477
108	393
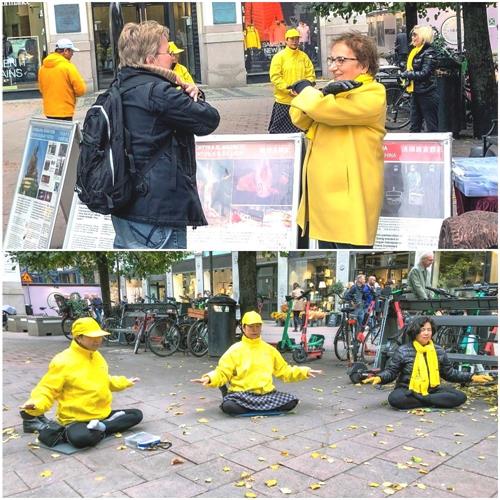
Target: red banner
414	151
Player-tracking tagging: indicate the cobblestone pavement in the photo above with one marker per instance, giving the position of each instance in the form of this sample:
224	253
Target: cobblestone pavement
243	110
341	441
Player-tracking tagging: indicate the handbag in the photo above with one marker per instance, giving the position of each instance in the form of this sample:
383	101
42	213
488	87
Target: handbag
52	434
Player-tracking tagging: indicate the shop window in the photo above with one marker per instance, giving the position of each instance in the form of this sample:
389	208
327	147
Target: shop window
24	45
264	27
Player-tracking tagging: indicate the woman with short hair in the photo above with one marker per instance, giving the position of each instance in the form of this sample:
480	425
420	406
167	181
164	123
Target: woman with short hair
418	367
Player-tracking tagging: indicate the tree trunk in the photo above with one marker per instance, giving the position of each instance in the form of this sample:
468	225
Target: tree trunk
481	68
411	17
103	270
247	269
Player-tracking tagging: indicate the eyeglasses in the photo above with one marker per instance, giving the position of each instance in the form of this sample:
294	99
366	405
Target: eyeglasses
166	53
339	60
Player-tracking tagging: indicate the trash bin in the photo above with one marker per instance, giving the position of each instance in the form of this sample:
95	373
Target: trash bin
451	114
29	309
221	324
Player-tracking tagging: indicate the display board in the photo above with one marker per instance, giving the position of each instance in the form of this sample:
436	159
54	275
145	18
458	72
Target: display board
50	148
249	189
417	190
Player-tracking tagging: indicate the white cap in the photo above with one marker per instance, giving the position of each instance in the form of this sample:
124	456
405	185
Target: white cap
66	43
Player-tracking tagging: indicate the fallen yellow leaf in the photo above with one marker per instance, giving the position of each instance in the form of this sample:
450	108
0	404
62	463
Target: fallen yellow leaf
285	453
441	453
262	459
408	448
450	488
208	480
99	478
274	429
314	454
415	459
285	491
226	469
55	455
199	410
315	486
373	485
458	434
240	483
177	461
203	420
271	482
121	447
245	474
250	494
389	491
332	446
46	473
274	466
117	434
385	484
421	486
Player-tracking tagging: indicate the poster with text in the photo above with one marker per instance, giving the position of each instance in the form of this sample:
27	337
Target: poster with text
417	190
41	176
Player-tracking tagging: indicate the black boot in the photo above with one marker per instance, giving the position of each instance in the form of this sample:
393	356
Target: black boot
33	424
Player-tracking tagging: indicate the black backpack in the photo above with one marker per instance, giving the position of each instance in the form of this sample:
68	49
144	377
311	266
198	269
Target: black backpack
106	176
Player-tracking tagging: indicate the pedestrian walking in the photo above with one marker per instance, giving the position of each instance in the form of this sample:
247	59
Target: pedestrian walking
422	85
287	66
59	82
177	67
401	47
298	306
162	121
79	381
248	367
419	277
419	367
343	174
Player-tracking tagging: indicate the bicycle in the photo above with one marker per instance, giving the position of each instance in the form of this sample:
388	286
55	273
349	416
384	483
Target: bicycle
398	106
345	343
70	310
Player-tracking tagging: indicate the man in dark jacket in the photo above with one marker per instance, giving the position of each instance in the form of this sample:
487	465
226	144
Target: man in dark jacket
162	120
356	296
401	47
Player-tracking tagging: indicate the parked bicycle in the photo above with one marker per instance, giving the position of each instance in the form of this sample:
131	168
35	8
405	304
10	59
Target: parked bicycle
69	310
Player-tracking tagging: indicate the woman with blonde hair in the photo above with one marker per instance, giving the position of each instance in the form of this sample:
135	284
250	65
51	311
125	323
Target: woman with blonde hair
419	72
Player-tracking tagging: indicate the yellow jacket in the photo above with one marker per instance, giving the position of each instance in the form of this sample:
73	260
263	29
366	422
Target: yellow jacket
183	72
79	380
343	174
249	365
251	38
288	66
60	84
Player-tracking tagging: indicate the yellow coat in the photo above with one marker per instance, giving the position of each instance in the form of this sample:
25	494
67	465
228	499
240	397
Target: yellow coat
343	174
249	365
60	84
183	72
288	66
79	380
251	38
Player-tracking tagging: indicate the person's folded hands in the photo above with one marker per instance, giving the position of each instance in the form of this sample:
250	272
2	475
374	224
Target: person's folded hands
299	86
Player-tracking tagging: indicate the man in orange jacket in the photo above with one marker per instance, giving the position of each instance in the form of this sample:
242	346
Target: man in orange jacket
60	82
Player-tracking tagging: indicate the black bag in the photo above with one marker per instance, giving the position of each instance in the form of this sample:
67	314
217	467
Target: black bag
52	434
106	176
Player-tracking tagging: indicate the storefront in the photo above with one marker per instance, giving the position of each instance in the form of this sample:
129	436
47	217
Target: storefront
24	44
180	17
384	266
264	27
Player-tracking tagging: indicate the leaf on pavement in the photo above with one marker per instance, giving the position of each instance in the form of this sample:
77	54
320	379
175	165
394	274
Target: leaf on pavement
274	466
408	448
441	453
416	459
274	429
401	466
203	420
99	478
458	434
389	491
199	410
421	486
46	473
317	389
245	475
240	483
285	491
373	485
315	454
177	461
55	455
332	446
208	480
285	453
315	486
121	447
250	494
117	434
271	482
226	468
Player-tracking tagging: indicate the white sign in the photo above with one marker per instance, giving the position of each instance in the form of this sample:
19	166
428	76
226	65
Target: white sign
49	147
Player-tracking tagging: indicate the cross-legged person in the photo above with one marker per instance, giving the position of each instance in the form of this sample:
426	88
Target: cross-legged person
248	367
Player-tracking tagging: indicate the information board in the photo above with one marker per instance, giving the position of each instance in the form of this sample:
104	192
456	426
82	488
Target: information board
49	148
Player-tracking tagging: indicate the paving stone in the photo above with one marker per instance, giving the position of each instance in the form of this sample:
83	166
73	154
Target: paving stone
473	462
347	486
154	467
58	489
62	470
382	440
97	458
412	491
214	470
201	451
197	432
473	431
485	447
242	439
173	486
286	478
436	443
379	471
294	445
466	484
13	484
104	480
250	457
347	450
318	468
400	455
26	458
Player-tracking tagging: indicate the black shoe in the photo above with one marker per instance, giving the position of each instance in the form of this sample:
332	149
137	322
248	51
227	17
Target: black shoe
223	389
33	424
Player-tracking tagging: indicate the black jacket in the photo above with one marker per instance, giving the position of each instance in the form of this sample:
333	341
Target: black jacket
400	366
158	114
424	65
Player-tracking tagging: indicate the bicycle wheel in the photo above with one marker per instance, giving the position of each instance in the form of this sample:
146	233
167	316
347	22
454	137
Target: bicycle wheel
340	343
370	346
398	108
184	330
163	337
66	325
299	355
197	339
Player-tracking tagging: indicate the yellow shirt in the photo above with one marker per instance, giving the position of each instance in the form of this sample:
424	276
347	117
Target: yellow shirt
250	365
60	84
288	66
183	72
79	380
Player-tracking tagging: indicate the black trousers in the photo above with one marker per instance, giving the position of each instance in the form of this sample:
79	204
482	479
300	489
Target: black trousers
442	397
424	107
296	319
330	245
79	436
67	118
233	408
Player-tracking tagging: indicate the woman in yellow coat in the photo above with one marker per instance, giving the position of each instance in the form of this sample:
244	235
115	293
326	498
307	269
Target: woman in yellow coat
343	174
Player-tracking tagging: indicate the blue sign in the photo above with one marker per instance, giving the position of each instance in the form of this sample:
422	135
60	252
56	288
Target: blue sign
224	12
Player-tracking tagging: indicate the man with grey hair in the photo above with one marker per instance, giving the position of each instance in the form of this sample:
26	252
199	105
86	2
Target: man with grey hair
356	296
420	277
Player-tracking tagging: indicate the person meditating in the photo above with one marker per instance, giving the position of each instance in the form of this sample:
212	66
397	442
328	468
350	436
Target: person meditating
248	368
418	367
78	379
